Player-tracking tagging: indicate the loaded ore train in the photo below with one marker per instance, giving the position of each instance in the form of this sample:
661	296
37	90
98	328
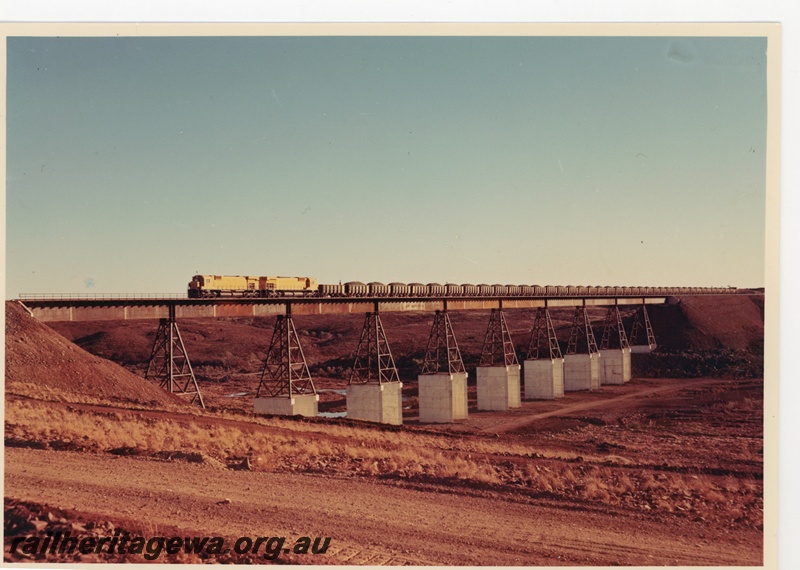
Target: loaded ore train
238	286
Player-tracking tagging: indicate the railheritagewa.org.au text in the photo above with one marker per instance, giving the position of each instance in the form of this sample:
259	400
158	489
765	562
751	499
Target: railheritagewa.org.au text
151	548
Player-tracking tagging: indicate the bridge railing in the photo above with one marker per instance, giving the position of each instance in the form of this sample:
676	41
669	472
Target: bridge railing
99	297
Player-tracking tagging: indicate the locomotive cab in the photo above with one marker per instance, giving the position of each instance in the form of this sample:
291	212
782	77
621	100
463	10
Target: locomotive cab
196	287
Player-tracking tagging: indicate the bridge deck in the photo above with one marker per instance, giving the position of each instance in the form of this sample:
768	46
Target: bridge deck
80	309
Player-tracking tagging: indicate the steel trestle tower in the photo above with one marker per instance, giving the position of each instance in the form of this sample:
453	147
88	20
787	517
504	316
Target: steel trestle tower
169	362
373	360
442	347
285	370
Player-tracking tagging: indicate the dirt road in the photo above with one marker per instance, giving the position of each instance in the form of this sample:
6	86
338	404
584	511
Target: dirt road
637	392
369	522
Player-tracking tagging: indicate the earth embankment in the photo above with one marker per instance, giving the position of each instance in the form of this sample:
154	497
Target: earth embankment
42	364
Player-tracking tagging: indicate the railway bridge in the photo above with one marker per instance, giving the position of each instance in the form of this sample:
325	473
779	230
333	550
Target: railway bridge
374	387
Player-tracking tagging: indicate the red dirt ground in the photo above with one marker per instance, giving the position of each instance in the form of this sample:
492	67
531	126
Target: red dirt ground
654	472
40	361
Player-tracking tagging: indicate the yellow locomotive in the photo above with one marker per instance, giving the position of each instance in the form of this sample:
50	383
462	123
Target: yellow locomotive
208	286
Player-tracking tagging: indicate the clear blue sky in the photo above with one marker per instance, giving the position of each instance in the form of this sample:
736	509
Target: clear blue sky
134	163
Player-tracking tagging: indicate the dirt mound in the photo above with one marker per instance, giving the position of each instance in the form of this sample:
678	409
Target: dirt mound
40	363
710	322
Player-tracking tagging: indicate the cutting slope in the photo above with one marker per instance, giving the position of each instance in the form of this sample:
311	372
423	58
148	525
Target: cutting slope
707	322
42	363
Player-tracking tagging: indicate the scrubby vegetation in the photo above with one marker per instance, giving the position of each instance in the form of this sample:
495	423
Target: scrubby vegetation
721	363
474	462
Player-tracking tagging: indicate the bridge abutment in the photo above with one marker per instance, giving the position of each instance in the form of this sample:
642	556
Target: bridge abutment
297	405
498	387
615	366
581	372
544	379
443	397
376	402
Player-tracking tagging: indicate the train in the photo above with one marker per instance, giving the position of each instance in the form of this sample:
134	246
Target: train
239	286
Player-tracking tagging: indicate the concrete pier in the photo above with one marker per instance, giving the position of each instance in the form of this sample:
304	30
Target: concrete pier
544	378
498	387
615	366
297	405
442	397
581	372
379	403
642	348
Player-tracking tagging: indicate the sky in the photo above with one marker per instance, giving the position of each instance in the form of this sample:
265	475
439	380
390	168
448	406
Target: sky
135	163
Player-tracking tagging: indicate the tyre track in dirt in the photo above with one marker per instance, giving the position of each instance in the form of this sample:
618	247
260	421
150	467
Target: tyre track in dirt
369	522
597	404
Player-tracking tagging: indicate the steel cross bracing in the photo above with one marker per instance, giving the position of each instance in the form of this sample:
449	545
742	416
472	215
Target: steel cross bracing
169	363
442	346
613	323
642	321
543	334
373	361
581	321
497	344
285	370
